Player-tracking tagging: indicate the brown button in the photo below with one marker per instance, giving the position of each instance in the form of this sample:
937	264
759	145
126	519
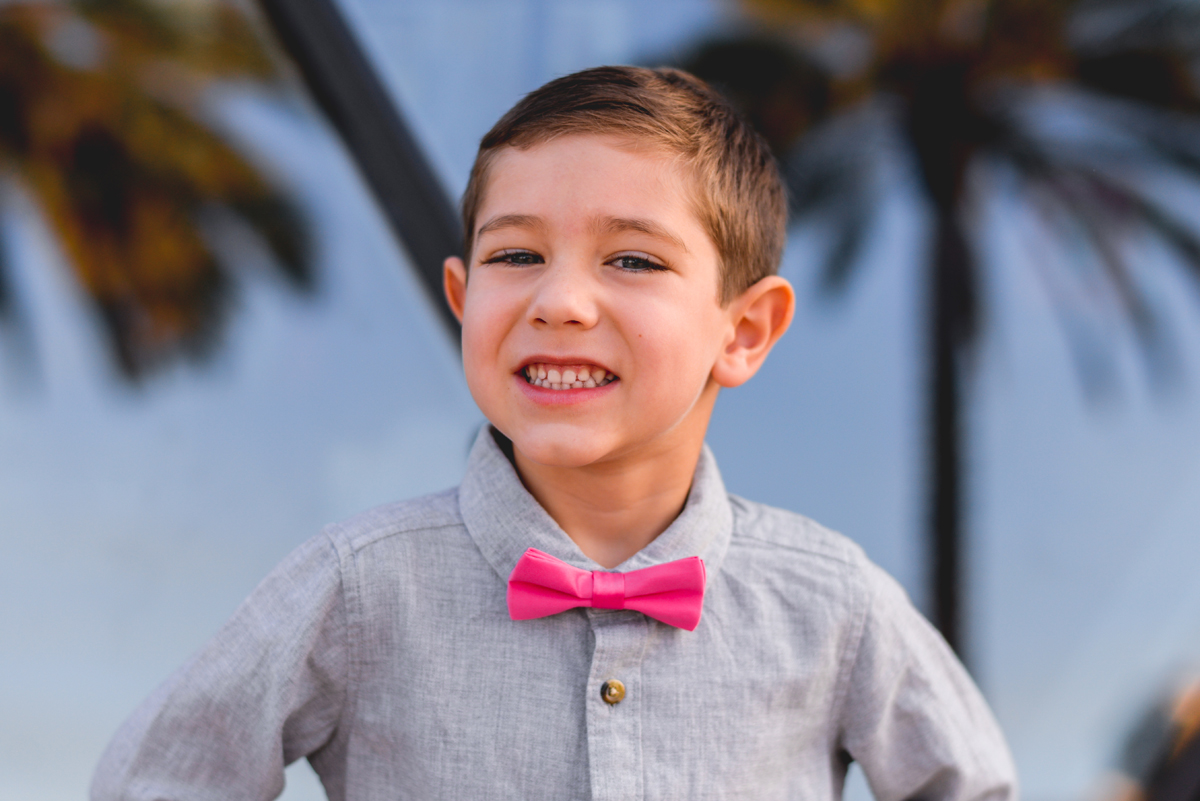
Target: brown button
612	691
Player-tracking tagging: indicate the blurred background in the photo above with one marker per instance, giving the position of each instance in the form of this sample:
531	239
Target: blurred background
220	230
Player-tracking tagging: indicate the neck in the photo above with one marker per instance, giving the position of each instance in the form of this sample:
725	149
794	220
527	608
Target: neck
613	509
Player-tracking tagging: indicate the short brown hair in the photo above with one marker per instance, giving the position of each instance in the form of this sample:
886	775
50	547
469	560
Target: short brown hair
738	197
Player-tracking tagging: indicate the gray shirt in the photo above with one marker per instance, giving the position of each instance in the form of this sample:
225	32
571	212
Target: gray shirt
382	651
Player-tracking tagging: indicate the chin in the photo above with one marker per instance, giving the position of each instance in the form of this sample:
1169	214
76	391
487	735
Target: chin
560	449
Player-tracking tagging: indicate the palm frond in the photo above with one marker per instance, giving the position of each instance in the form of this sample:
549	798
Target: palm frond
1105	209
283	229
1149	78
22	76
788	12
830	177
124	164
821	173
1099	26
781	91
1081	311
786	96
837	197
1170	137
1099	194
851	229
1179	236
213	39
1073	192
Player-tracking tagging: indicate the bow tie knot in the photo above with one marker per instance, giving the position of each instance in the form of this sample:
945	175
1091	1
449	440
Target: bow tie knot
608	590
541	585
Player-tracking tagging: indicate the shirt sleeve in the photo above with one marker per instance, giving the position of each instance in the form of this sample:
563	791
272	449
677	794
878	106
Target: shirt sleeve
912	717
266	690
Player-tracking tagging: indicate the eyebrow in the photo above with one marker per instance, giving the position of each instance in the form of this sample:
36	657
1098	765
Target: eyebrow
529	221
614	225
600	225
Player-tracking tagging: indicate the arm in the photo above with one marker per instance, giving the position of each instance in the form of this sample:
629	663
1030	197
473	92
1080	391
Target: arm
266	690
912	717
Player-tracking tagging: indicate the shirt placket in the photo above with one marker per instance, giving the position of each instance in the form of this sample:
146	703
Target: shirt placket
614	705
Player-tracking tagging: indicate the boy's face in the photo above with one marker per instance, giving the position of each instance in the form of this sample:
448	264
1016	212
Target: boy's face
588	257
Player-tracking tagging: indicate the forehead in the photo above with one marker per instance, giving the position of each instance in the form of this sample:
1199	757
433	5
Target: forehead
581	178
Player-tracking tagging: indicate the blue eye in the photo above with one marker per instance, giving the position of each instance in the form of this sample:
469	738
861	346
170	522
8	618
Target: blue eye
515	257
637	264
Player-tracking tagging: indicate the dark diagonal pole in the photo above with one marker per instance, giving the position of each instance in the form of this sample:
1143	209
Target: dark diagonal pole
350	93
944	428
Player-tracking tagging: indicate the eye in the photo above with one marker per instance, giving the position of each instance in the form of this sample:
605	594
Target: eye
636	263
517	258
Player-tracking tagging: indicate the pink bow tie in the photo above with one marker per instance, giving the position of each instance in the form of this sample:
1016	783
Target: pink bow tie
541	585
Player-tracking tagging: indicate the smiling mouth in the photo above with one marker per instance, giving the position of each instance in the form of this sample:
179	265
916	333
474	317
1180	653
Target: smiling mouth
567	376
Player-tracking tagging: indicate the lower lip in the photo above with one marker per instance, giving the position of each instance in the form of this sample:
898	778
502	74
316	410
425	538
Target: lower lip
563	397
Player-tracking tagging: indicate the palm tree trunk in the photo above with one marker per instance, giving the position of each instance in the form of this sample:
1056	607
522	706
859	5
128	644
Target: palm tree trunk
949	297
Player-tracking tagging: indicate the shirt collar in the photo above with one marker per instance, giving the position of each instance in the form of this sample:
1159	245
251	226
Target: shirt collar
504	519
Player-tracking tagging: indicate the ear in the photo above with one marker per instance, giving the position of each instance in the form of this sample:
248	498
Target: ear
454	283
759	317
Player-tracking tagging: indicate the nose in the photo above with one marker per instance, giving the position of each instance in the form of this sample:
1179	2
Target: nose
564	297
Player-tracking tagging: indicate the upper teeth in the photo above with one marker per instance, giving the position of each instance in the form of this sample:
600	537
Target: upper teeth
571	376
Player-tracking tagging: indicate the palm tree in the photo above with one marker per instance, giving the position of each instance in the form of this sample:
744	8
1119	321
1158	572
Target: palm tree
104	121
965	85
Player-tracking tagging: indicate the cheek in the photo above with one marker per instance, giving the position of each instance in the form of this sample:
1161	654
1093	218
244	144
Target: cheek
680	348
488	315
474	338
483	335
472	342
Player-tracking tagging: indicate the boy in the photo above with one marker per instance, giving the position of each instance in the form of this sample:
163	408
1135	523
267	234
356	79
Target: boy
589	615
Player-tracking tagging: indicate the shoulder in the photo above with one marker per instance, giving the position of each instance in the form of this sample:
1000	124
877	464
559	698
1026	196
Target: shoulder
768	527
396	522
800	553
